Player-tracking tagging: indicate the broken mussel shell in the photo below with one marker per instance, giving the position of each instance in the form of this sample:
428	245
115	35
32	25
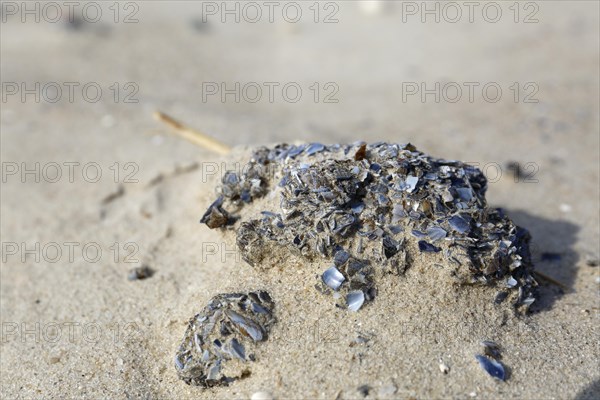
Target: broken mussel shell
366	212
333	278
494	368
220	340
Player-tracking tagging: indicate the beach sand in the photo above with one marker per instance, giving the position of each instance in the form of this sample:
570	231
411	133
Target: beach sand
75	325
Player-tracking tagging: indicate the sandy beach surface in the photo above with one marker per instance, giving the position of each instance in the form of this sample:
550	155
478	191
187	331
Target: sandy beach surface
92	186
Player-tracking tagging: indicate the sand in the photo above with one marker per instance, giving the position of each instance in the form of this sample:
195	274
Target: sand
78	328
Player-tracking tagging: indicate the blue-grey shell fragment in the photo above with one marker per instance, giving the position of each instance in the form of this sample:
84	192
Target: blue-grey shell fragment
370	210
428	247
225	332
459	224
492	367
355	300
314	148
511	282
436	233
333	278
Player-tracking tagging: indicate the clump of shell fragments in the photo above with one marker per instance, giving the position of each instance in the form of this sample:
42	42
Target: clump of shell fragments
367	212
220	340
370	210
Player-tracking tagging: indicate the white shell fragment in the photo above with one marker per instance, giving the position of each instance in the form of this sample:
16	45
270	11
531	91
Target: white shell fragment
411	183
355	300
333	278
444	368
511	282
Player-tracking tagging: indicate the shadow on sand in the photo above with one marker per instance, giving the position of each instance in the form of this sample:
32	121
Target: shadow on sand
590	392
553	254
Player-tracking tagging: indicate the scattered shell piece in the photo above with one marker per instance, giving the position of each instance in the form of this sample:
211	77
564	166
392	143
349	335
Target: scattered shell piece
492	367
528	301
139	273
333	278
443	367
215	216
359	340
364	390
500	297
355	300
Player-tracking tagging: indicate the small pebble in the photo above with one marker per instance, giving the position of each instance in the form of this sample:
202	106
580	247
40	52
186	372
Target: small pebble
364	390
261	395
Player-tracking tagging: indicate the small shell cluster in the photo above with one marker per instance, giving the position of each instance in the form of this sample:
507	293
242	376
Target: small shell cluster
220	340
369	210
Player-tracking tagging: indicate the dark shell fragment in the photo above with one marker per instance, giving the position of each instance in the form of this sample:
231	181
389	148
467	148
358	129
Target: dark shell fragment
215	216
428	247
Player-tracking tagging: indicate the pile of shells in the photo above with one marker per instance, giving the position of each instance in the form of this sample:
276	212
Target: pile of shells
371	209
368	211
